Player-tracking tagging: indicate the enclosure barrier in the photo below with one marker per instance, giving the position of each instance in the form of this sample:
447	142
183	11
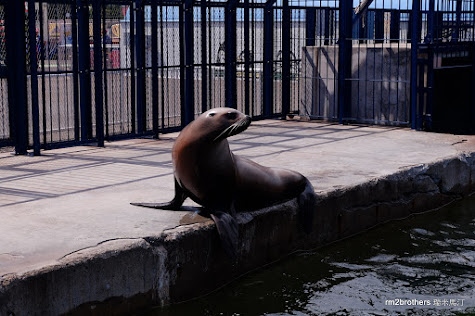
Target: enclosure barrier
79	71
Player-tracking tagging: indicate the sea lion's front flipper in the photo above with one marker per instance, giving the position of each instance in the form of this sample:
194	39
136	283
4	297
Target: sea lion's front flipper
307	201
174	205
228	232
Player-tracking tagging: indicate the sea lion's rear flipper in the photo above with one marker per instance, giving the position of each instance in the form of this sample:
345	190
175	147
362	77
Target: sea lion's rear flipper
307	201
228	232
174	205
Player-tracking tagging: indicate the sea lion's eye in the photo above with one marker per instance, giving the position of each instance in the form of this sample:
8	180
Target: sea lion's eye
232	115
211	114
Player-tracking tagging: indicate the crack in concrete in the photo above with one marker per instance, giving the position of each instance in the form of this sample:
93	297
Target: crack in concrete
459	142
180	225
100	243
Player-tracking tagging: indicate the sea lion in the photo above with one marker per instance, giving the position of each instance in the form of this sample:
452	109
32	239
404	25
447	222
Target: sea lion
208	172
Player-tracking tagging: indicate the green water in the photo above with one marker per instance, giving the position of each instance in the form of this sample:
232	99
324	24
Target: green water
426	264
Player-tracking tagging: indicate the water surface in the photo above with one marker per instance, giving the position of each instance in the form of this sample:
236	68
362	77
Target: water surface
424	265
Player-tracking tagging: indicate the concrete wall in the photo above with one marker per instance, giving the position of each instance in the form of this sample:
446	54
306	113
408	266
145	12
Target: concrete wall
380	81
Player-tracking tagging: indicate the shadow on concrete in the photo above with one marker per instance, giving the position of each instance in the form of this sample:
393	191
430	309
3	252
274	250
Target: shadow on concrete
79	169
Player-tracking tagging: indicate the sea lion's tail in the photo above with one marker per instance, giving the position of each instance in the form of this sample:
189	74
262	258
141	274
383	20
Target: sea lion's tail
228	233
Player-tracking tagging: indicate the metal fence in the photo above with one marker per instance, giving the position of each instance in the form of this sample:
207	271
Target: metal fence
101	69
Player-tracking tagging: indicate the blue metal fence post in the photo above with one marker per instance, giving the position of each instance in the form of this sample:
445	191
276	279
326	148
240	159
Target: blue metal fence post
458	16
415	34
268	70
188	108
154	25
96	23
344	59
204	59
181	35
162	64
105	76
430	65
328	25
133	101
84	61
379	26
247	57
431	22
34	77
472	130
74	28
16	55
230	56
285	58
42	62
140	54
310	23
394	27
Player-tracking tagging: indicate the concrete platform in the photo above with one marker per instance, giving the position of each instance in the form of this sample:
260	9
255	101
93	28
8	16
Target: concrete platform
72	243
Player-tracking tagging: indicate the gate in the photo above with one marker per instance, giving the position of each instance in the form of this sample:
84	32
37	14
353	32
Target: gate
444	51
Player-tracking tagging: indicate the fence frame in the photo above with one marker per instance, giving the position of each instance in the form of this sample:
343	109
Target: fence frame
82	71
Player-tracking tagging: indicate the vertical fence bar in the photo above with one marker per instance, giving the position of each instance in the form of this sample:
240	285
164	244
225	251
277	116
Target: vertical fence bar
42	57
268	58
328	26
96	24
154	87
230	56
285	58
74	29
247	57
430	65
162	65
204	60
431	22
415	33
472	130
458	15
84	69
439	21
344	59
181	35
106	81
140	51
379	26
132	44
210	58
34	77
188	107
106	77
15	45
394	26
310	23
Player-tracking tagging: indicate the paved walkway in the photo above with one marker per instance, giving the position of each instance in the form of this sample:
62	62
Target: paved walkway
75	198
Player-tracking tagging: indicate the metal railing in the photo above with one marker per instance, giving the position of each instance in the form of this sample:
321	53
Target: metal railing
95	70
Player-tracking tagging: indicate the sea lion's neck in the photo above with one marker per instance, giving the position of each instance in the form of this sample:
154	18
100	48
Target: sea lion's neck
202	166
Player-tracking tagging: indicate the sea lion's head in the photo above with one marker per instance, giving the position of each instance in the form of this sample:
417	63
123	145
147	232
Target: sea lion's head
221	123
